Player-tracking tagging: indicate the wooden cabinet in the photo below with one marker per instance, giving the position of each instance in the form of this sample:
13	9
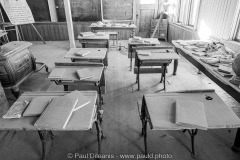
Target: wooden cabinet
161	32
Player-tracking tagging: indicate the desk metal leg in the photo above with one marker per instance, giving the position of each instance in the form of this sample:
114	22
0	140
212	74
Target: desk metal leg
192	133
98	84
65	87
144	126
43	137
100	136
175	65
236	145
138	77
131	61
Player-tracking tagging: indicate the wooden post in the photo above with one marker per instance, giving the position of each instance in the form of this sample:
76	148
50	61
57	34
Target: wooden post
69	23
52	10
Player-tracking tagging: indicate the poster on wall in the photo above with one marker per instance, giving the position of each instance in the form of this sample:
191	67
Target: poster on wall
18	11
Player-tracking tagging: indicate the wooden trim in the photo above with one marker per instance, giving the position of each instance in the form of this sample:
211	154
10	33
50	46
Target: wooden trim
235	23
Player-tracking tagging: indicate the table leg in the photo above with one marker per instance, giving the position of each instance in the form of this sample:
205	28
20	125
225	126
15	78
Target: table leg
138	72
236	145
100	136
192	133
15	91
65	87
175	65
43	137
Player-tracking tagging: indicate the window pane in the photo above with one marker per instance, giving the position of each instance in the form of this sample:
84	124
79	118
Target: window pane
182	11
147	1
193	12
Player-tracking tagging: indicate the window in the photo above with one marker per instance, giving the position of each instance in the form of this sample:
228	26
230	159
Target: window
147	1
188	12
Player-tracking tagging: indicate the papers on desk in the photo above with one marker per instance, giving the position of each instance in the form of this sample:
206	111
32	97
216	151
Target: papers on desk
16	110
84	74
57	73
191	114
58	113
81	53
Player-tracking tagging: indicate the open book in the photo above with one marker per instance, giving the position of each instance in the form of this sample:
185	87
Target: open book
191	114
84	74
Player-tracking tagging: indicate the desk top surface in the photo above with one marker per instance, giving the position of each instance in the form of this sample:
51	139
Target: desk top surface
161	110
147	41
159	54
95	53
81	119
95	37
70	73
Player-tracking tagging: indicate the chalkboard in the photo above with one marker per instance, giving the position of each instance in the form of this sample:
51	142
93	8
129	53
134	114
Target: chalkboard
117	10
40	10
82	10
18	11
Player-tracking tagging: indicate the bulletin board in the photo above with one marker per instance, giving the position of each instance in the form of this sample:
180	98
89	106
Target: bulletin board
17	11
119	10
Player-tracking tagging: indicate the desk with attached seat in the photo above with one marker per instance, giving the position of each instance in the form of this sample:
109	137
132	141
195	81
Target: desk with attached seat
81	120
99	55
96	40
160	111
160	57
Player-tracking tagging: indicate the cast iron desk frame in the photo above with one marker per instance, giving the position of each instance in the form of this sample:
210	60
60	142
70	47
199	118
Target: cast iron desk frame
99	40
26	123
155	59
135	44
229	121
100	82
99	55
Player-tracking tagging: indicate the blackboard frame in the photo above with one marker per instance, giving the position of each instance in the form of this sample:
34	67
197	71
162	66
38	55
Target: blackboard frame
111	20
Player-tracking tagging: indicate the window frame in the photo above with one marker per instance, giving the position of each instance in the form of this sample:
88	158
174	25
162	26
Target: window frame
188	7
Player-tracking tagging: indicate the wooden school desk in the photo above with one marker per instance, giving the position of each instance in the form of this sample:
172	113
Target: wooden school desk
160	57
81	120
131	44
99	55
159	111
95	40
70	76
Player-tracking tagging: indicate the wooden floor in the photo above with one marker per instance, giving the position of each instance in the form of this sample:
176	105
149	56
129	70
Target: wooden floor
121	122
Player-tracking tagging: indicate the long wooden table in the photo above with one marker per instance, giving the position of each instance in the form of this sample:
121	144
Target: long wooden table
81	119
114	28
99	55
159	111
